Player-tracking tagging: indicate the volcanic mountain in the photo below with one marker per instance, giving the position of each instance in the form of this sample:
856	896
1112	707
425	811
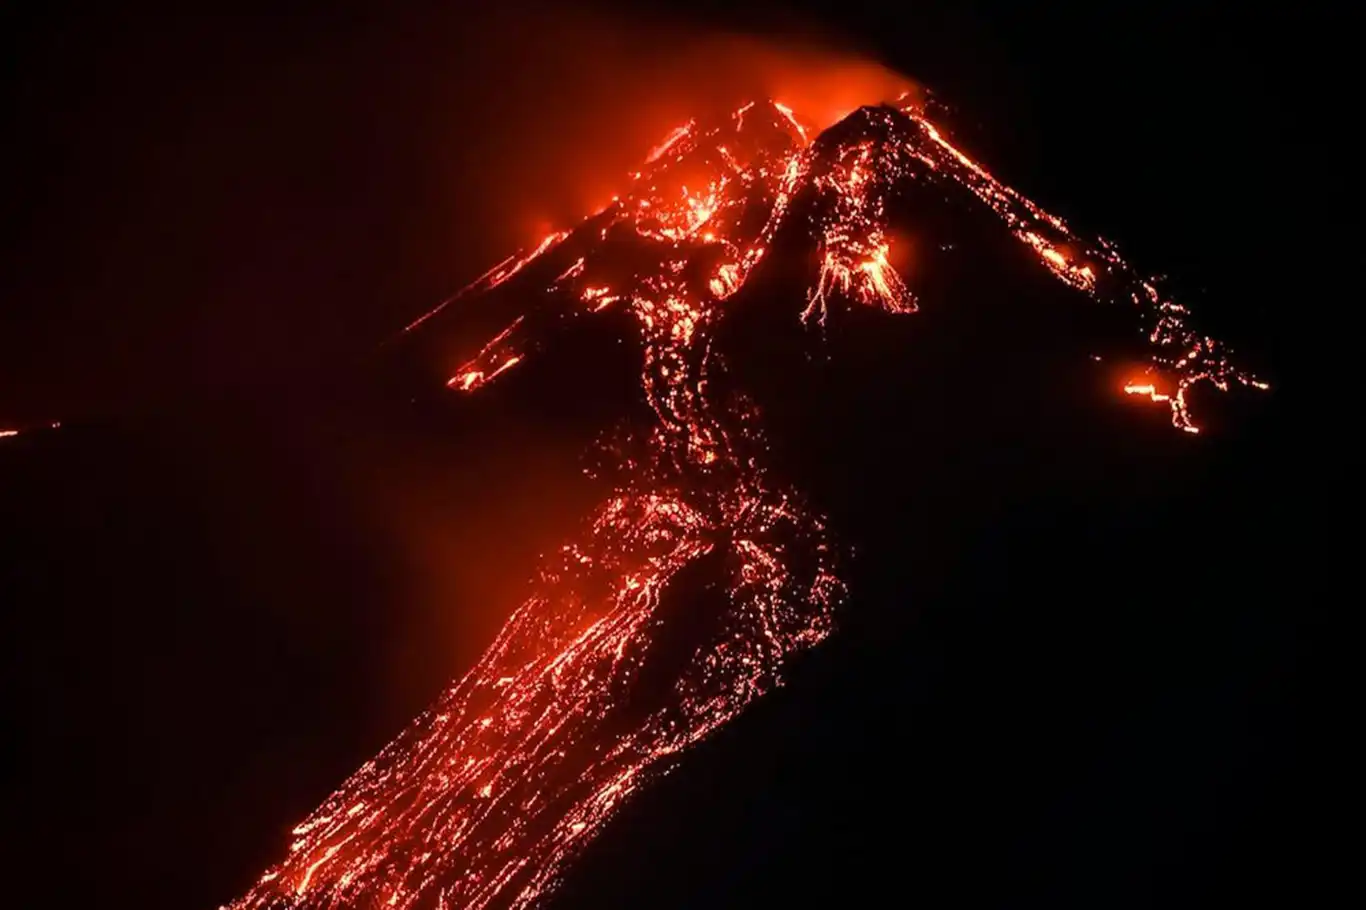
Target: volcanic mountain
743	311
874	487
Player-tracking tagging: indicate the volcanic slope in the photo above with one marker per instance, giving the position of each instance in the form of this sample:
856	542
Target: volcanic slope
596	685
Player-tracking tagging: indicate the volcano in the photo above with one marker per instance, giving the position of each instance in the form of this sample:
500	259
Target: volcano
704	312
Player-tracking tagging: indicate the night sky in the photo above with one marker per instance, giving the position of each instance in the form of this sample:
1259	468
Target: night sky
1071	670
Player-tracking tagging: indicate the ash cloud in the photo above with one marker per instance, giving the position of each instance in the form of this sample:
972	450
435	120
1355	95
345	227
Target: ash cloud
582	96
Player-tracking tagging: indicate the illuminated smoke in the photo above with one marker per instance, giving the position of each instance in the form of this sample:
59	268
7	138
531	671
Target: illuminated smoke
488	796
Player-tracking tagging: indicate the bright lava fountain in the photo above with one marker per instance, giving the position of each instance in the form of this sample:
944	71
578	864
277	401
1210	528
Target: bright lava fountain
487	797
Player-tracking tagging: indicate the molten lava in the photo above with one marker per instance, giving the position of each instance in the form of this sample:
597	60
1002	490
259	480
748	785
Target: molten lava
488	796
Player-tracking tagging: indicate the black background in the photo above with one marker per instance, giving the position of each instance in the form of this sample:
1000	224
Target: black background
1072	670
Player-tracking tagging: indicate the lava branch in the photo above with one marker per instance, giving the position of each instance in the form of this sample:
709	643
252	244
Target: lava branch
1179	355
485	799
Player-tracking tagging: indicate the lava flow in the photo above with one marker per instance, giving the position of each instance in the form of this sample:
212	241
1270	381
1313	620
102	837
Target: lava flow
583	697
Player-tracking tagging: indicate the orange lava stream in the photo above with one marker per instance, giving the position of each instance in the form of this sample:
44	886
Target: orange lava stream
485	798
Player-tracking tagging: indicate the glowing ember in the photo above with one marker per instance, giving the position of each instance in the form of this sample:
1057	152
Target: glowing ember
487	797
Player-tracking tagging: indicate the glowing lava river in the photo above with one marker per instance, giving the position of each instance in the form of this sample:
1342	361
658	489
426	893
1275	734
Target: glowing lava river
488	796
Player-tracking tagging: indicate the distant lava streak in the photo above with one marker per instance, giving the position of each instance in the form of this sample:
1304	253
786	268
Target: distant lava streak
11	432
485	799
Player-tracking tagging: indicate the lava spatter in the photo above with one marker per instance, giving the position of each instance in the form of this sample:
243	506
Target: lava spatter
485	798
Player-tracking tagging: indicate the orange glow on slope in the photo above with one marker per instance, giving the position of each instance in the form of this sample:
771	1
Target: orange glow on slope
852	240
486	798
